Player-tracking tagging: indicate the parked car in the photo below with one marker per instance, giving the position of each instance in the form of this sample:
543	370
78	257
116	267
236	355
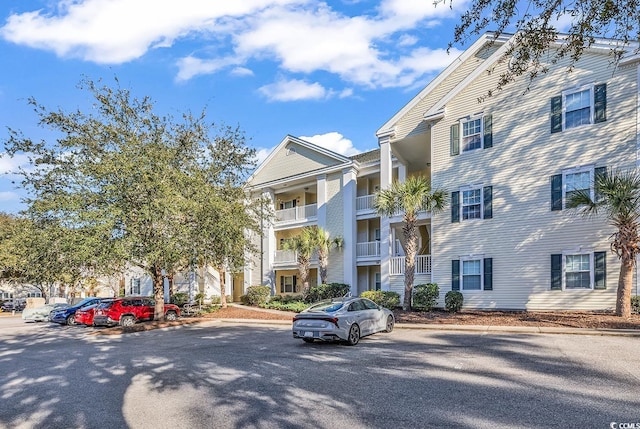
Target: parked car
41	314
67	316
343	319
15	305
84	315
128	311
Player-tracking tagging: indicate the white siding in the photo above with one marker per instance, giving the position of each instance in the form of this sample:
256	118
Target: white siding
524	232
335	215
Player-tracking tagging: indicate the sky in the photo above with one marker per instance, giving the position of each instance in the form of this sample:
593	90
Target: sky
329	72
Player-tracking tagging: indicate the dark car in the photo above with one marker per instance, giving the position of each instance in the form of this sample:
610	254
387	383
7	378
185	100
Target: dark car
67	316
128	311
16	305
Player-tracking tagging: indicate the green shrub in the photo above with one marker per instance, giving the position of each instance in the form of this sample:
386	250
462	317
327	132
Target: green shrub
326	291
296	306
257	295
286	298
216	299
179	298
453	301
635	304
385	299
425	296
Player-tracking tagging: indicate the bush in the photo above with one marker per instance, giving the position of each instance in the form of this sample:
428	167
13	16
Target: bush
635	304
285	299
256	295
179	298
296	306
425	296
453	301
385	299
326	291
216	299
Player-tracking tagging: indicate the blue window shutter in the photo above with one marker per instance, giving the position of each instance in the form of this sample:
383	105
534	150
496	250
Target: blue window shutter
488	131
281	284
598	174
556	272
295	285
556	192
454	136
455	207
556	114
488	202
455	274
600	270
488	273
600	103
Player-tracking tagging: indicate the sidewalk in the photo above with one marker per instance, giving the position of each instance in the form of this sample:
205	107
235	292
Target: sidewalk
463	328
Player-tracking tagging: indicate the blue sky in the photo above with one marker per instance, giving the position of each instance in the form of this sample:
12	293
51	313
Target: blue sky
330	72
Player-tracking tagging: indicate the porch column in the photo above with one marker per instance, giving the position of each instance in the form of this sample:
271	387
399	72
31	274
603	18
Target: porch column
321	182
386	165
386	175
402	172
349	229
268	245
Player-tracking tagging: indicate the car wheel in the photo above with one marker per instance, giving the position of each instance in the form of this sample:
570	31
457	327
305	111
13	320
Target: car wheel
127	321
390	323
171	315
307	340
71	320
354	335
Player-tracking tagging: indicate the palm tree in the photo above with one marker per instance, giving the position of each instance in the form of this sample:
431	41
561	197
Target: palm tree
303	244
411	196
324	243
617	197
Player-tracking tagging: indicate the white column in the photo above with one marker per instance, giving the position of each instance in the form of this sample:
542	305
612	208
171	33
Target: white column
321	182
386	175
402	172
268	246
386	166
349	229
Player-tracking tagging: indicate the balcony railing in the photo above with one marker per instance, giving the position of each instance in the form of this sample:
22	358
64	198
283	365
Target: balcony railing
290	257
365	203
297	213
370	248
423	265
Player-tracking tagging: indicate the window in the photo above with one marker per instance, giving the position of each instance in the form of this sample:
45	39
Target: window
473	202
377	281
477	133
579	106
578	270
472	272
287	204
571	182
288	284
34	295
291	150
134	288
471	135
471	275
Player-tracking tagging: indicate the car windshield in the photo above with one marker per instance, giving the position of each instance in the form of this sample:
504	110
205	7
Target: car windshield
84	302
105	304
328	306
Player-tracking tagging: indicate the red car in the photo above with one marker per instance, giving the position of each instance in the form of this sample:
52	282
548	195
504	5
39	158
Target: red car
128	311
84	316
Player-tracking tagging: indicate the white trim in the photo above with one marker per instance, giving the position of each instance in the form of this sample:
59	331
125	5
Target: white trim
468	258
576	252
574	90
590	168
465	188
638	116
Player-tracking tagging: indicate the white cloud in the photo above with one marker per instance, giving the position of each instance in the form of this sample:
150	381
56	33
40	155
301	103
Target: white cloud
9	196
262	154
333	141
10	165
290	90
373	50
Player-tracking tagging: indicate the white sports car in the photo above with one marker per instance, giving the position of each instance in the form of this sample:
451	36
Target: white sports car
343	319
40	314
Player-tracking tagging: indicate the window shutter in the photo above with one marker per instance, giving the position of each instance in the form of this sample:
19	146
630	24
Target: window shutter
556	272
455	207
488	202
488	131
455	274
488	273
295	283
556	114
281	284
598	174
556	192
600	270
454	136
600	103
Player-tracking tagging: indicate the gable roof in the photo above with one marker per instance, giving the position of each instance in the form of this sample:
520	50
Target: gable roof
326	159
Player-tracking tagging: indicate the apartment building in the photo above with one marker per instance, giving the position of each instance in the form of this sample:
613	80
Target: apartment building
508	163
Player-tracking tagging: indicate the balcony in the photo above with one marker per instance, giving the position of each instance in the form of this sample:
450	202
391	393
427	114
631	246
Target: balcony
297	214
423	265
289	257
365	203
368	249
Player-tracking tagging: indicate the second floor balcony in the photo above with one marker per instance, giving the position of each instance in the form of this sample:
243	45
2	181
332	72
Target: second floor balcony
290	257
297	214
368	249
423	265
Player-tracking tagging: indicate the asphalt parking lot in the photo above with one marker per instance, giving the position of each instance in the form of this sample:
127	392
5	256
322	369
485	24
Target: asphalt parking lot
229	375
